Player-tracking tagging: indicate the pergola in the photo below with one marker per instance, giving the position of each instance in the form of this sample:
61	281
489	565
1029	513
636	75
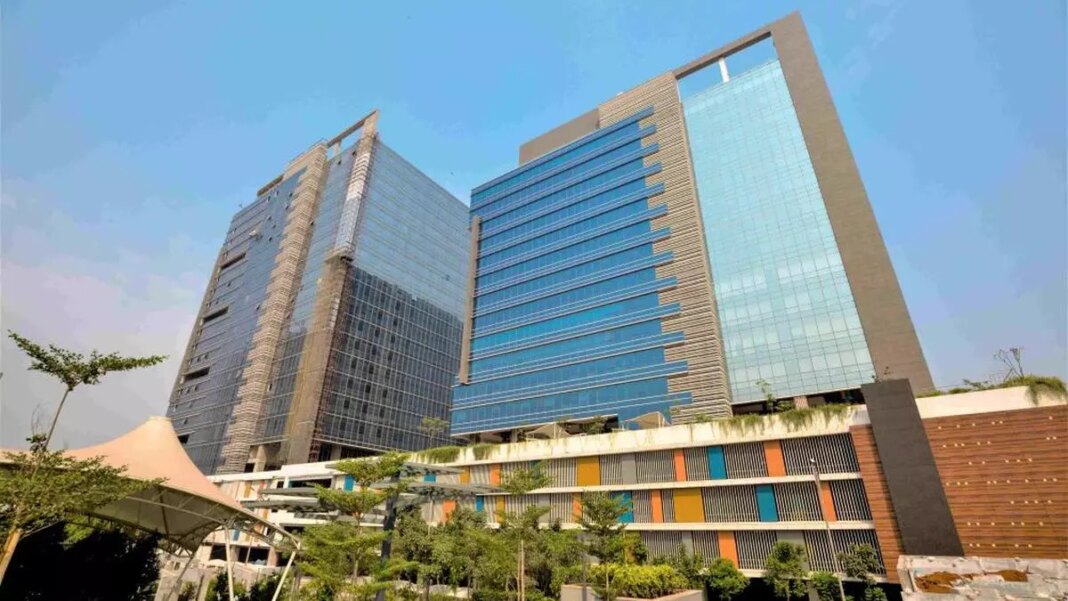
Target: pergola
185	507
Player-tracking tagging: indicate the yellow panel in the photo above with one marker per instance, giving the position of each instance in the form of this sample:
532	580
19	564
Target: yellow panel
688	506
500	508
589	471
465	476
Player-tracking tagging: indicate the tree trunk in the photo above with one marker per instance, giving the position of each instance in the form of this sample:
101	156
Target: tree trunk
521	585
15	534
10	543
55	419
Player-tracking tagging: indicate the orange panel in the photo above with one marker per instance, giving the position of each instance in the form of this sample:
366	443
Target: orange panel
495	474
827	502
658	506
465	476
576	505
773	455
680	466
727	548
447	506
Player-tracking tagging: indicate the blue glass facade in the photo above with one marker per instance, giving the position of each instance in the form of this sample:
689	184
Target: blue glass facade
786	311
567	311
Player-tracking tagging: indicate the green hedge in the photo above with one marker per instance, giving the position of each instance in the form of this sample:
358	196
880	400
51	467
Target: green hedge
643	582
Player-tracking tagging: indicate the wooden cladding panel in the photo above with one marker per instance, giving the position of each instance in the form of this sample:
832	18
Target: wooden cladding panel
1006	479
706	378
882	511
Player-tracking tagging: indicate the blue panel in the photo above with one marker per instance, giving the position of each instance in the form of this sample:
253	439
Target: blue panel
348	482
236	534
625	497
480	504
765	496
430	478
717	465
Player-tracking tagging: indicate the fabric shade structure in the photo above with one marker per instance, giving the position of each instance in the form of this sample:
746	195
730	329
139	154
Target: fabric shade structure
185	506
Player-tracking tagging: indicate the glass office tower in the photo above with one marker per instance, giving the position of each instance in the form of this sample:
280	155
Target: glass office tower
689	246
332	324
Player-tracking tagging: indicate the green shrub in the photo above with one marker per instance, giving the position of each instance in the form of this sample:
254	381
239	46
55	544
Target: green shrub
446	454
643	582
482	450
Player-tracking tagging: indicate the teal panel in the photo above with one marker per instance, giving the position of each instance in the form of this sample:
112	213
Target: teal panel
480	504
430	478
717	465
348	482
765	496
625	497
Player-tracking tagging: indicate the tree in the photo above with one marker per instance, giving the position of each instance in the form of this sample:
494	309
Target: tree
785	571
1012	359
41	488
337	553
724	580
110	564
826	585
524	526
862	562
770	402
555	558
432	426
72	369
600	518
219	589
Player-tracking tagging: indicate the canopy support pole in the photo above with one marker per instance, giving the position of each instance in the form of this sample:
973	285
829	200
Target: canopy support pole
229	564
178	581
282	580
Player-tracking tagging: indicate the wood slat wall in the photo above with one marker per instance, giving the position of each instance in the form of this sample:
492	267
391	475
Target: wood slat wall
706	378
878	495
1006	479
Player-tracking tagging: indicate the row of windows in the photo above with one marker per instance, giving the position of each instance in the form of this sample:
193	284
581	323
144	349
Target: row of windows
557	377
565	348
611	177
569	277
603	400
578	211
597	140
576	231
572	300
588	320
573	248
561	179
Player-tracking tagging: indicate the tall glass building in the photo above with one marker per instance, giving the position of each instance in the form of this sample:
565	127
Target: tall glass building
332	322
692	245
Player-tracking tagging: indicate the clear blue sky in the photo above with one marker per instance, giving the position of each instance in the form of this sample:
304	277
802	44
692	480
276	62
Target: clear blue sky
132	131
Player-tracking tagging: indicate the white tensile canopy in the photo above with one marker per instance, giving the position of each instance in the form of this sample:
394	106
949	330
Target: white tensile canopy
185	507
